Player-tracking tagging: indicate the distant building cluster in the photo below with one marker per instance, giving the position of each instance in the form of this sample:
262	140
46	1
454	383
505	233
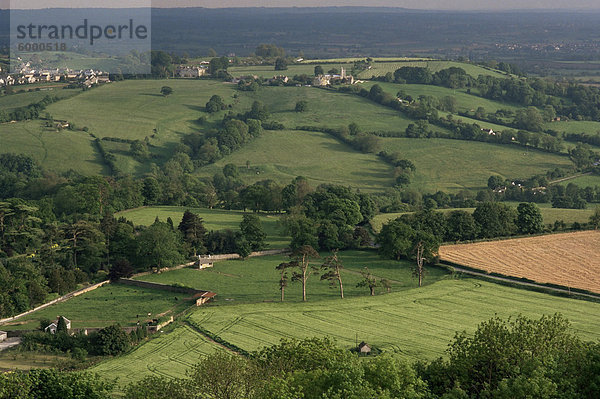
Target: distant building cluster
29	75
329	79
186	71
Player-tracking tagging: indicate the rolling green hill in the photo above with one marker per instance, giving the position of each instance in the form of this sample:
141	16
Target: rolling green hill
453	165
284	154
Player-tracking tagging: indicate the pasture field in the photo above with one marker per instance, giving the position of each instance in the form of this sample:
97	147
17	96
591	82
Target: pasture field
109	304
168	355
587	127
329	109
31	95
583	181
376	59
567	259
465	101
284	154
132	109
14	359
417	324
382	68
454	165
549	214
214	219
56	151
257	280
268	71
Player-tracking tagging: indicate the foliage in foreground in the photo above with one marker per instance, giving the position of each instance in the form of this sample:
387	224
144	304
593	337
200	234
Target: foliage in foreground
514	358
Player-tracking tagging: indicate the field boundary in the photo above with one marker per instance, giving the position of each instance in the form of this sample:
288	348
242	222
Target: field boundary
57	300
523	283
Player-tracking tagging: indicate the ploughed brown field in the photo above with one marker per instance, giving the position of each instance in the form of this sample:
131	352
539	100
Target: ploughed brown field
569	259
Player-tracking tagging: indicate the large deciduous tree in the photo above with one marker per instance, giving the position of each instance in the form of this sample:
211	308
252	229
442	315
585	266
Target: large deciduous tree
529	218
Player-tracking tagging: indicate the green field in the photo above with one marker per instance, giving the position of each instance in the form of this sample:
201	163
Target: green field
9	102
214	219
382	68
109	304
56	151
257	280
417	324
284	154
168	355
329	109
453	165
268	71
583	181
549	214
414	323
587	127
464	101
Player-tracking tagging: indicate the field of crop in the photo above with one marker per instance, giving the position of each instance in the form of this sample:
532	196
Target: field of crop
549	214
453	165
381	68
168	355
568	259
284	154
214	219
416	324
257	280
109	304
57	151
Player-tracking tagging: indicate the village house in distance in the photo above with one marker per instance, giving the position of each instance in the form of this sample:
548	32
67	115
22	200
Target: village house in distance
329	79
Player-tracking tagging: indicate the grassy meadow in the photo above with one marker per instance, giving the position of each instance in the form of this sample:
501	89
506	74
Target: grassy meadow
268	71
214	219
256	279
583	181
464	100
58	151
109	304
30	95
382	68
284	154
454	165
329	109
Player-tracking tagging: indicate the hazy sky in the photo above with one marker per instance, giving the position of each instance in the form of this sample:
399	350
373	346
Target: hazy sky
415	4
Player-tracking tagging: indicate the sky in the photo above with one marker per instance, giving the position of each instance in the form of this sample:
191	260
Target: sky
414	4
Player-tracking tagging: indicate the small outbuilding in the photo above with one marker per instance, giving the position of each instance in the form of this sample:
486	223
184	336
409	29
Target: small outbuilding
364	348
203	297
204	262
3	335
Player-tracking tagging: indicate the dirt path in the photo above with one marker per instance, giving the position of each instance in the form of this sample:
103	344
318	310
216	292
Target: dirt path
569	178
